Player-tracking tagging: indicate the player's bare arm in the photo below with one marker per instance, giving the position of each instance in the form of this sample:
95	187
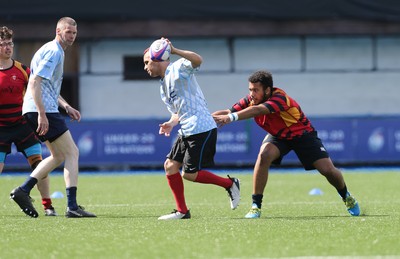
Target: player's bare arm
35	86
71	111
166	127
249	112
194	58
220	112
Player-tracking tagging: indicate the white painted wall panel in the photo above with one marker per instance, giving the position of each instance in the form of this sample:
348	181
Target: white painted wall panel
388	53
107	56
267	53
339	53
319	94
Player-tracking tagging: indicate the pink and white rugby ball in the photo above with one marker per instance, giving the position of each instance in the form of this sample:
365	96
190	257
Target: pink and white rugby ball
160	50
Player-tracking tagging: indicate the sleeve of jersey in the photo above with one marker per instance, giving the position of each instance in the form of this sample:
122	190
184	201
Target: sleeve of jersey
276	103
186	68
47	64
241	104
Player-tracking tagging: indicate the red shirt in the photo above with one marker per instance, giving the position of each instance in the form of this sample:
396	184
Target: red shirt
285	120
13	83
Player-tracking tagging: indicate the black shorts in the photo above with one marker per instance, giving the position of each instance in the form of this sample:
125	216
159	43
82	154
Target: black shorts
20	134
195	152
308	148
57	125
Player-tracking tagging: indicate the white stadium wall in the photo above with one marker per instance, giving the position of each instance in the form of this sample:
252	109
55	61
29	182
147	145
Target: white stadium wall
329	76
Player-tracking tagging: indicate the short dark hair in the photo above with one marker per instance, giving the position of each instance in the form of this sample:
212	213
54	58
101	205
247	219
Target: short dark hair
5	33
262	76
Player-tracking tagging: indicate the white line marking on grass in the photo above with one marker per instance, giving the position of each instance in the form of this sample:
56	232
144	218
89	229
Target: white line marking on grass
345	257
126	205
221	203
329	257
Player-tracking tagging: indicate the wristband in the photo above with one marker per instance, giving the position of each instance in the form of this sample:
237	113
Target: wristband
233	116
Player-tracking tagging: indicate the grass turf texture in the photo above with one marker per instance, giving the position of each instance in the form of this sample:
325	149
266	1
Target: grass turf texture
292	224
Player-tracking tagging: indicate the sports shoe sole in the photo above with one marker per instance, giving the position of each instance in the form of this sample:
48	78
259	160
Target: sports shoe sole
234	192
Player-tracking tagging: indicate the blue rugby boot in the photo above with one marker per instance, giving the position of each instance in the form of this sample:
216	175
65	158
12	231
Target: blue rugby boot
352	205
254	212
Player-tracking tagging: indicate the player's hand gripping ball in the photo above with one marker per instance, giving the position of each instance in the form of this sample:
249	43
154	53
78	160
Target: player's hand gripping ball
160	50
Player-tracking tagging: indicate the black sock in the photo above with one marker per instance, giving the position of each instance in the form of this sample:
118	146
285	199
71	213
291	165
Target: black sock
343	192
29	183
257	199
71	197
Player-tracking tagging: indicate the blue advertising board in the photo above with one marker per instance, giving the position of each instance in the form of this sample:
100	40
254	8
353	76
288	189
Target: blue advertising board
378	140
137	142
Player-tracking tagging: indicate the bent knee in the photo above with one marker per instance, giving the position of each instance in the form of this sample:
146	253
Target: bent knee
171	167
268	153
167	164
326	167
34	160
266	158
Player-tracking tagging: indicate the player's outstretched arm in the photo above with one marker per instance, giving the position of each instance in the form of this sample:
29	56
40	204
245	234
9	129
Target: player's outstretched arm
221	112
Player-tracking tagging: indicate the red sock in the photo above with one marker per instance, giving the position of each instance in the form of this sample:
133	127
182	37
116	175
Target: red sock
175	182
46	202
207	177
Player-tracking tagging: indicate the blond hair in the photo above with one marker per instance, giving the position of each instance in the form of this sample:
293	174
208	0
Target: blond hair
66	21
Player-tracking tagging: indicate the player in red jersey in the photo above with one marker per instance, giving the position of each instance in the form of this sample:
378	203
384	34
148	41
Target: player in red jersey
288	129
13	126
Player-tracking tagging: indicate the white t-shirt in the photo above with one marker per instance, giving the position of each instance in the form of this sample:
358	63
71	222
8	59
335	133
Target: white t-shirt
183	96
48	63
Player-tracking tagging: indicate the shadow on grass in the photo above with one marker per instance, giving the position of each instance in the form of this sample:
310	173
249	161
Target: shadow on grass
126	216
316	217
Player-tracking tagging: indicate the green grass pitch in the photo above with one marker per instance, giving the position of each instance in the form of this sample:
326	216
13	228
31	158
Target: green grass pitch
293	223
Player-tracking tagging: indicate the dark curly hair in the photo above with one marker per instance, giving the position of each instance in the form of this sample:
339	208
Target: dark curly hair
262	76
5	33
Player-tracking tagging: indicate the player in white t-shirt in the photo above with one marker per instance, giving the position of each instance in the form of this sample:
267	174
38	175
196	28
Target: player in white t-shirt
194	149
40	108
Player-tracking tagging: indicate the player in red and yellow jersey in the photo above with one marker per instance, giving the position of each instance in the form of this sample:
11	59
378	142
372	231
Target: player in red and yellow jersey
285	119
287	129
13	126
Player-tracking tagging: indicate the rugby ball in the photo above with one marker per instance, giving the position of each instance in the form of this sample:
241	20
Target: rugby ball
160	50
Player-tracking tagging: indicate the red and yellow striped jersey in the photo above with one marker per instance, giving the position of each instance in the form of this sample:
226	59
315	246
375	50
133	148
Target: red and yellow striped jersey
285	120
13	83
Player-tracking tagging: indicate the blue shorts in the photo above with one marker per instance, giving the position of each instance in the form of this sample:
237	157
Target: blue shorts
57	125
